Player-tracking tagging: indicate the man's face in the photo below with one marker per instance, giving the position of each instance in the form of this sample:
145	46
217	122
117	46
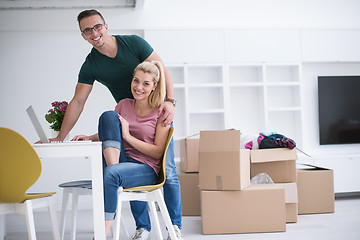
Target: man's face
95	38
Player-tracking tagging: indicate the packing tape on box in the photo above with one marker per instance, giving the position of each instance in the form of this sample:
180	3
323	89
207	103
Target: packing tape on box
219	184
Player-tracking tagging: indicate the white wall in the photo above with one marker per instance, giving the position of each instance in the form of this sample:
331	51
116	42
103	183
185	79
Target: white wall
41	51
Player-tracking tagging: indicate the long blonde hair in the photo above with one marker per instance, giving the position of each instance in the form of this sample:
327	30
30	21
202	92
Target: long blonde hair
155	68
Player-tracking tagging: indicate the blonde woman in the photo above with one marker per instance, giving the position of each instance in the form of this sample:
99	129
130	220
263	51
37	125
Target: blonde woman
133	138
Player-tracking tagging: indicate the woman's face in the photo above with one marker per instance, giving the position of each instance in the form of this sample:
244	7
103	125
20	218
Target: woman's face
142	85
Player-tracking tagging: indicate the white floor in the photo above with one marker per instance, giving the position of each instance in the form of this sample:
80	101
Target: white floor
344	224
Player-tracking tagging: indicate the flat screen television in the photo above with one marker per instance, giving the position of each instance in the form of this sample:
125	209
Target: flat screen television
339	109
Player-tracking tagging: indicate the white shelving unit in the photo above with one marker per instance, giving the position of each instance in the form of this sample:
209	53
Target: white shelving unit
252	97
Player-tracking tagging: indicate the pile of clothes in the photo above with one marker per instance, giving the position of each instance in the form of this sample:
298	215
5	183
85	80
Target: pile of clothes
271	140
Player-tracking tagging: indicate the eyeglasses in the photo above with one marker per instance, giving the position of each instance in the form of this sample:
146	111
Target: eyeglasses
97	27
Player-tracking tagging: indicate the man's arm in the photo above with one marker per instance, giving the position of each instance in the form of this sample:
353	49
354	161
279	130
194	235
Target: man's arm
74	110
167	107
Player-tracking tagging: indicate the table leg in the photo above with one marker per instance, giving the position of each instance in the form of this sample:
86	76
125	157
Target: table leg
98	196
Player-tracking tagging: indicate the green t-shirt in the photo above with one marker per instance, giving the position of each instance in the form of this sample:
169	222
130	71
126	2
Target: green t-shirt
116	73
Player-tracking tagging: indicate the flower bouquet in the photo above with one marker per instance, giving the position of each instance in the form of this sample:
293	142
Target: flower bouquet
55	115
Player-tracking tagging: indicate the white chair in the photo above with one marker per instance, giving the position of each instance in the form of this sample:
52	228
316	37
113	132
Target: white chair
76	189
151	194
20	167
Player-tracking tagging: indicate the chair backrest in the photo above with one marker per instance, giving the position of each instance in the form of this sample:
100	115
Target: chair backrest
162	175
20	166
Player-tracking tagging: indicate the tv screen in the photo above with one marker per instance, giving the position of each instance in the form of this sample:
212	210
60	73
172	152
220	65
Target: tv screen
339	109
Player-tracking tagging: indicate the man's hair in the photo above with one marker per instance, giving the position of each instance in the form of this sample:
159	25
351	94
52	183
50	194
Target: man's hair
88	13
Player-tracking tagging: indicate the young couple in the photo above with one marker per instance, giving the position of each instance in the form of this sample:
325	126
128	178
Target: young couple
129	144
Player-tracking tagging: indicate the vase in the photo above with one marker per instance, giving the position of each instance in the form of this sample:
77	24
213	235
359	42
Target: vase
54	134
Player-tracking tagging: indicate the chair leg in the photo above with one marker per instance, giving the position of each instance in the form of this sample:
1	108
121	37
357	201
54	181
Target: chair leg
125	229
28	211
116	232
63	212
155	219
75	198
53	218
165	213
2	226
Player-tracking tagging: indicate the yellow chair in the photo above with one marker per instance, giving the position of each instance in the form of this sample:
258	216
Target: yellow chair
151	194
20	168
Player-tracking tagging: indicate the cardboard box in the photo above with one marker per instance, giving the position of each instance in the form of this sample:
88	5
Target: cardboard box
278	163
222	165
272	155
189	155
291	200
190	194
258	208
315	190
291	212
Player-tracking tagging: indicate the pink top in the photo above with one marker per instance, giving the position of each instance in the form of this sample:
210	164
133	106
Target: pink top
140	127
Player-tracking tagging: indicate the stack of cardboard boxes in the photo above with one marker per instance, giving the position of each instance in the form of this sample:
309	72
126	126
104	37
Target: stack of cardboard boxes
215	182
189	176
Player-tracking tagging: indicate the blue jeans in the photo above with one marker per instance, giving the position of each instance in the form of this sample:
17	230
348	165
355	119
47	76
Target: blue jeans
109	120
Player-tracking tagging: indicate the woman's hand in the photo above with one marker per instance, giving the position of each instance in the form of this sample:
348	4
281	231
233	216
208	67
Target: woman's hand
169	113
124	128
81	138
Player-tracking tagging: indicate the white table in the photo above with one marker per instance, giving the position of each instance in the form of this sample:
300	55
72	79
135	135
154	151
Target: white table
93	152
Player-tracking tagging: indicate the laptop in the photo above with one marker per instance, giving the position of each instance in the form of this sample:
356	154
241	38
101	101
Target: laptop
40	131
35	121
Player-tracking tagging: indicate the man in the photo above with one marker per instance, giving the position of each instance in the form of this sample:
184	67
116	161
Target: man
112	61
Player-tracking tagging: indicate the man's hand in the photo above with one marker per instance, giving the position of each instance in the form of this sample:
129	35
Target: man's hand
169	113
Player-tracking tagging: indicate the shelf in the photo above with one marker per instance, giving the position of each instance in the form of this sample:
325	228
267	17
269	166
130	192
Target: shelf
250	97
206	121
204	74
283	84
246	84
245	74
177	74
279	96
205	99
280	74
207	111
285	109
208	85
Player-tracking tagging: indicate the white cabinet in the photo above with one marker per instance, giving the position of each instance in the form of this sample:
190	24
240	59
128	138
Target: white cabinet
182	46
262	45
250	97
330	45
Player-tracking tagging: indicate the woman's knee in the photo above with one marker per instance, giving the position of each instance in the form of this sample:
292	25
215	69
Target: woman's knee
109	126
109	116
109	175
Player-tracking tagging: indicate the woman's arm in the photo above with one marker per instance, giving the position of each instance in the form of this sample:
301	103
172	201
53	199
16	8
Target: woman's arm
155	150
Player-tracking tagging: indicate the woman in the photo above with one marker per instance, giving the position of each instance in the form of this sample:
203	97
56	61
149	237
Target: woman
133	137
